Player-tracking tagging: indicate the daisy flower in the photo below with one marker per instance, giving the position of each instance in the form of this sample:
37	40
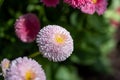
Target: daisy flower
89	6
5	63
27	27
55	43
50	3
25	69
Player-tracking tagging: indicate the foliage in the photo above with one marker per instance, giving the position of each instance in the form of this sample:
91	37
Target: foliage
92	35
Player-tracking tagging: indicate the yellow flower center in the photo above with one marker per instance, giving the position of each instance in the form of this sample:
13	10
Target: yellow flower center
60	38
29	75
94	1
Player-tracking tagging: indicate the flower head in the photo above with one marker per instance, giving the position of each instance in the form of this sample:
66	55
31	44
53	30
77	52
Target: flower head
25	69
74	3
5	63
50	3
89	6
27	27
55	43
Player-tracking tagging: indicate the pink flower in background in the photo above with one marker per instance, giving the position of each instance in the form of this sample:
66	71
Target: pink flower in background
74	3
25	69
55	43
114	17
89	6
114	23
27	27
93	6
118	10
50	3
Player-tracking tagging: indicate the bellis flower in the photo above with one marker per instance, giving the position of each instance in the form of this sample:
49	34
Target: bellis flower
89	6
55	43
5	63
50	3
27	27
25	69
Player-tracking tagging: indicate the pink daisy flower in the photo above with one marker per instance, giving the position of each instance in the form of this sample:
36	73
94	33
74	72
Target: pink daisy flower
27	27
25	69
55	43
89	6
74	3
50	3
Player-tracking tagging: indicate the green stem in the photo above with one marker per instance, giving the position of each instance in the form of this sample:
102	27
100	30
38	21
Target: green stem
34	54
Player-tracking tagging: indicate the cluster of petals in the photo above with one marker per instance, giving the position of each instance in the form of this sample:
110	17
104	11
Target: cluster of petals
50	3
55	43
24	69
89	6
5	63
27	27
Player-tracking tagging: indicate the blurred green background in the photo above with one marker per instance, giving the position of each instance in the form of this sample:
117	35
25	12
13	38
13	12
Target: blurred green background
92	34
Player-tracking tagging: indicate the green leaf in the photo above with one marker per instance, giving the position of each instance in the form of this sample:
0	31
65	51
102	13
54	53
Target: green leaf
66	73
1	2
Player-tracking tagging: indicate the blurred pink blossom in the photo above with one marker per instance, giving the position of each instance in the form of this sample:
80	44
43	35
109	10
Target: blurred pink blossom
118	10
27	27
114	23
115	19
50	3
89	6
